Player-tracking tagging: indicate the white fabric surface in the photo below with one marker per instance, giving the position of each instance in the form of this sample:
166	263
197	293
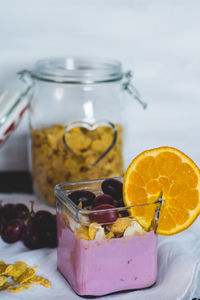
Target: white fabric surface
178	266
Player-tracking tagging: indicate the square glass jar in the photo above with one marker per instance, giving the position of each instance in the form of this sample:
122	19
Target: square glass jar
98	259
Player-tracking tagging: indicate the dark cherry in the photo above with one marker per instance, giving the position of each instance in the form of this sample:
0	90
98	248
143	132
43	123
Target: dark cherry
124	213
12	231
8	211
21	211
2	220
44	219
120	203
103	199
49	236
106	217
31	236
112	187
46	226
2	223
83	196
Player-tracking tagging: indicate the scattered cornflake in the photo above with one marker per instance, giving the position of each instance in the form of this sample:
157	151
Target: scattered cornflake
36	279
3	280
40	280
21	265
22	274
26	275
4	286
2	268
16	289
46	283
18	268
5	269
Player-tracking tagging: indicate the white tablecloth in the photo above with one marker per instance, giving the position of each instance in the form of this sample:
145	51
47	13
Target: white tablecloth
178	266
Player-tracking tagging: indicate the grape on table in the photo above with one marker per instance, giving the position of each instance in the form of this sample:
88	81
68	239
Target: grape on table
35	229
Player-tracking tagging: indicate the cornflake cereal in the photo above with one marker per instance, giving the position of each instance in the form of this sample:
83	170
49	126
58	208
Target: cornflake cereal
109	235
52	163
17	269
26	275
4	286
23	277
3	280
16	289
120	225
93	228
40	280
124	226
5	269
83	233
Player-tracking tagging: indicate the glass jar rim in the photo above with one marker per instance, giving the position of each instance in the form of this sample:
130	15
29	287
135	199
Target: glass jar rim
62	190
78	70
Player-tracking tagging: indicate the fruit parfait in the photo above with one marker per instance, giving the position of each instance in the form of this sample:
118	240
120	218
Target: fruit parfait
107	237
102	248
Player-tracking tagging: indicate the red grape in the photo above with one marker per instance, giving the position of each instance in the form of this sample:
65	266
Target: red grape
2	222
8	211
112	187
83	196
44	219
31	236
12	231
49	236
21	211
46	225
106	217
103	199
36	230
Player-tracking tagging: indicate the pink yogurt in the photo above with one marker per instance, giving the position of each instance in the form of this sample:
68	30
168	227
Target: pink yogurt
99	268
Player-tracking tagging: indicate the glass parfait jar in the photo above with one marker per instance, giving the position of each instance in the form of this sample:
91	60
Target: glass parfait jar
76	120
98	257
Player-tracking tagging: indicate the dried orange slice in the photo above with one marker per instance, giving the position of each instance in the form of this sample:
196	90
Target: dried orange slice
169	172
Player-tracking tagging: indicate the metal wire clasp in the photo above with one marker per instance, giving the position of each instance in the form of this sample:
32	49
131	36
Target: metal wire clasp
129	87
25	76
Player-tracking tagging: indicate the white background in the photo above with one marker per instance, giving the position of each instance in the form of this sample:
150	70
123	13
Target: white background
159	40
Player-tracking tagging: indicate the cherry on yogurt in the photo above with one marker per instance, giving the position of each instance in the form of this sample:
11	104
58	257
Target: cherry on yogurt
106	217
112	187
103	199
83	196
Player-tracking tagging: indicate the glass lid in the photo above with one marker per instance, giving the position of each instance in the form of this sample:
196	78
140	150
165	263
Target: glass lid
78	70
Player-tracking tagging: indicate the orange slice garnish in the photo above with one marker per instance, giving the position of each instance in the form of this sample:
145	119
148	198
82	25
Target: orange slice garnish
168	172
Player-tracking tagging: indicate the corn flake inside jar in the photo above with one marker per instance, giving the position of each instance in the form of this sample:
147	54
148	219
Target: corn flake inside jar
52	163
122	227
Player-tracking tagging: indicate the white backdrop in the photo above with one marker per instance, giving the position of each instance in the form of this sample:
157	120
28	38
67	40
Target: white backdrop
159	40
